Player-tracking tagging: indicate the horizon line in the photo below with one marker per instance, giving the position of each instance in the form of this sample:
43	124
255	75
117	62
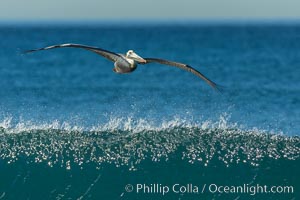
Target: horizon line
148	21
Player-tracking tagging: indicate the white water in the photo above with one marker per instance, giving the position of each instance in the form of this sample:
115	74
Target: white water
128	141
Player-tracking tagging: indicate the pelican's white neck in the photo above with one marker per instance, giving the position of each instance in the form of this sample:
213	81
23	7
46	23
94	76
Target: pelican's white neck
131	61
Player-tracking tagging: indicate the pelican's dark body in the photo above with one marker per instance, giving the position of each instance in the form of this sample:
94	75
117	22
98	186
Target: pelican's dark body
124	65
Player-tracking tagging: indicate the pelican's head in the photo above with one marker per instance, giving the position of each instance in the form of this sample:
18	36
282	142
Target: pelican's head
132	55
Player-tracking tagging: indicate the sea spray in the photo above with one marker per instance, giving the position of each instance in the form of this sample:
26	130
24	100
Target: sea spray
128	142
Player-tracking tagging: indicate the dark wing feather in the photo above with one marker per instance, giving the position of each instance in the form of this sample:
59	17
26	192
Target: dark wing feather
107	54
184	67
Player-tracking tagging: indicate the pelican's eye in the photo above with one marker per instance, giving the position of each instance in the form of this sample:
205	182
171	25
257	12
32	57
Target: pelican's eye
129	52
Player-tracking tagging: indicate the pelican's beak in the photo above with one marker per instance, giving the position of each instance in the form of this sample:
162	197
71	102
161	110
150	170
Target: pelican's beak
138	58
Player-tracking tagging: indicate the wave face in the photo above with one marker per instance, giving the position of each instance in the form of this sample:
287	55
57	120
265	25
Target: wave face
129	143
136	151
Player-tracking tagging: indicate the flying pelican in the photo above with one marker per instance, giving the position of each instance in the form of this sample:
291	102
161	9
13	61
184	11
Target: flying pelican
128	63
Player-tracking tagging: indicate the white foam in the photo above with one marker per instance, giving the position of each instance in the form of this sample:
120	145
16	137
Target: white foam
6	123
120	123
143	139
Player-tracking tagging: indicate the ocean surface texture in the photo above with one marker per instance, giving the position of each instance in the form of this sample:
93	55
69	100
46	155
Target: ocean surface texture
70	128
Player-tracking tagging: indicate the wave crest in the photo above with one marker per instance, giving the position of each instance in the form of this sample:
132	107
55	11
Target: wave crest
129	142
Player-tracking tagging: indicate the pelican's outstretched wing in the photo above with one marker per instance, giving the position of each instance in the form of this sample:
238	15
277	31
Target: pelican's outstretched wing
107	54
184	67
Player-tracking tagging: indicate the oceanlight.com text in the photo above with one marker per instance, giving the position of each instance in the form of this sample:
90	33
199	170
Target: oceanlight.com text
250	189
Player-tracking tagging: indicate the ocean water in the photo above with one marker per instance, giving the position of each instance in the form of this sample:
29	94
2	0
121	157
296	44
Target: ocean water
70	128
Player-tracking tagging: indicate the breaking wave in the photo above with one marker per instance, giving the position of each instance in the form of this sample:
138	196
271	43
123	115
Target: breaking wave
129	142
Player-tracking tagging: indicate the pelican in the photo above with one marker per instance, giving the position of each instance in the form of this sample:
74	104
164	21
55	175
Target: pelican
128	63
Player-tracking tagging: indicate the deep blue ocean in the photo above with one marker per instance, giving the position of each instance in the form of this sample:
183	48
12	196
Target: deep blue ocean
70	128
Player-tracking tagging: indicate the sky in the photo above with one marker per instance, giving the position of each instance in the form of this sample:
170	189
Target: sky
37	10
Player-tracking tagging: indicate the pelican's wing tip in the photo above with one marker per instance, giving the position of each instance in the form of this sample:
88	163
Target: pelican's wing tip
48	47
28	51
219	88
